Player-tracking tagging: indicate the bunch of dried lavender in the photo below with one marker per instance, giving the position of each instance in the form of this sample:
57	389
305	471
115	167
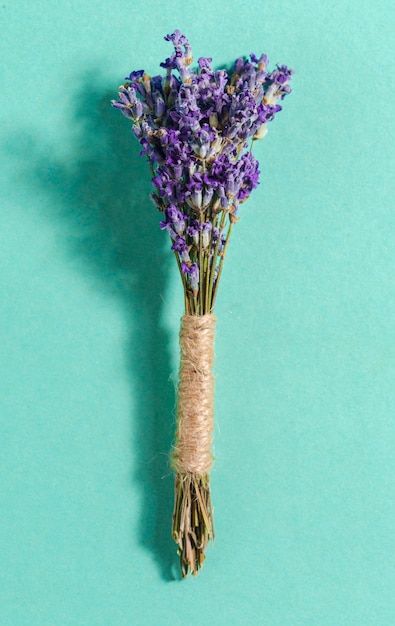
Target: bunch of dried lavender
197	130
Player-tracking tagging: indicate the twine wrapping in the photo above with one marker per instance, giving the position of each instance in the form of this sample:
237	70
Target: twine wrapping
193	524
192	451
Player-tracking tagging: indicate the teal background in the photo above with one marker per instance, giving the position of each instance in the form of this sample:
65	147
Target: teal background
303	483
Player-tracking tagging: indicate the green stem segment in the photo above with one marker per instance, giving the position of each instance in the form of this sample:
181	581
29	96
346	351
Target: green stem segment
209	306
221	263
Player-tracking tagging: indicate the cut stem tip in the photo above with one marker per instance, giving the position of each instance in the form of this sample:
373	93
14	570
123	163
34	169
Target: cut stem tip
193	524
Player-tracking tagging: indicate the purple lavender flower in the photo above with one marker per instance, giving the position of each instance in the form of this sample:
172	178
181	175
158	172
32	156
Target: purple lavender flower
196	127
169	227
207	227
192	272
193	231
175	222
217	235
177	219
182	57
194	277
181	247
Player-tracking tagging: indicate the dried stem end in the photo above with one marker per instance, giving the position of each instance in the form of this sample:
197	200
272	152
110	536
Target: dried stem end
193	524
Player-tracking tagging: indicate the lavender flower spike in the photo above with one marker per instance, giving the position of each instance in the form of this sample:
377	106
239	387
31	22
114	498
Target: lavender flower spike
197	127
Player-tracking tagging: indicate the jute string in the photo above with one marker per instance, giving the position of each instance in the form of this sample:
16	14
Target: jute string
192	451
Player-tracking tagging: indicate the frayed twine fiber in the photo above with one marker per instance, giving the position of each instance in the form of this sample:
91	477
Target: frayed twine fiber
192	451
193	524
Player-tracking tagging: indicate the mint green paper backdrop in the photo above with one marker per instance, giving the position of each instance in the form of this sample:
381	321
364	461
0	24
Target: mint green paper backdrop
303	483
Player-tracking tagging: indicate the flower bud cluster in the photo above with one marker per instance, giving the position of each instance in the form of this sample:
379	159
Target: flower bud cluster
194	128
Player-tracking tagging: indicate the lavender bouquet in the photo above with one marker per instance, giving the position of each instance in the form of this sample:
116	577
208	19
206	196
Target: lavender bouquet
197	130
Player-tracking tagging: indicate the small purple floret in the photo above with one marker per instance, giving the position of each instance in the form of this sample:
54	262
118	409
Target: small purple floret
195	129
